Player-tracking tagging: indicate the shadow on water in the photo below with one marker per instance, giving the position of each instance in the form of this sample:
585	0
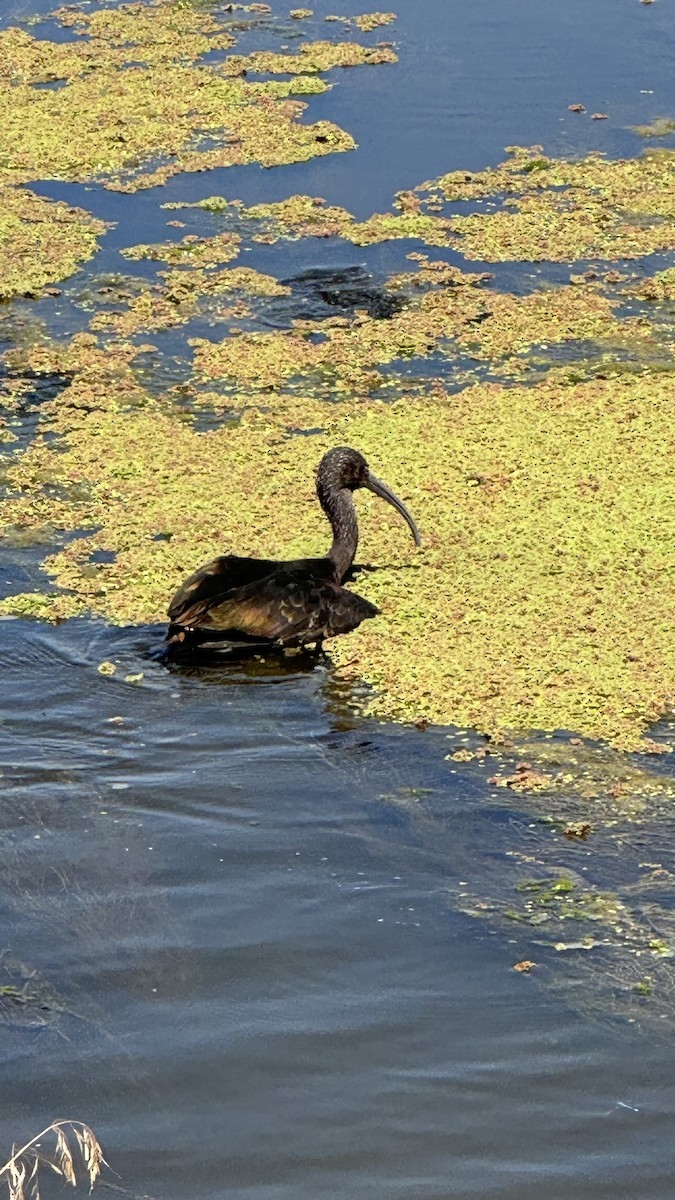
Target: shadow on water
242	665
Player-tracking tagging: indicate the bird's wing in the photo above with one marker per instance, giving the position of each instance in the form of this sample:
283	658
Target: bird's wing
212	581
291	607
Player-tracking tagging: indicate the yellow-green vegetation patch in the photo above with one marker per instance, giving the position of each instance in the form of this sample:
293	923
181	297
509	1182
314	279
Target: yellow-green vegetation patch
180	298
231	279
41	241
574	786
516	323
542	595
660	288
569	916
608	944
152	34
366	22
297	217
534	577
659	127
192	250
347	349
561	899
314	57
149	33
486	325
545	209
385	227
148	312
309	216
563	210
432	273
137	103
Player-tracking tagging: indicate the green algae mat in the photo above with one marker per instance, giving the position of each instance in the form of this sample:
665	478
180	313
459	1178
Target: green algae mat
530	434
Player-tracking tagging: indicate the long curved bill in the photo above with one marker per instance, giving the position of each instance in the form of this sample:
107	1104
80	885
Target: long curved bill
380	489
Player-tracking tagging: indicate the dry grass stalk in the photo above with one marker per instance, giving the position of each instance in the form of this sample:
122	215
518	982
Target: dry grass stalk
76	1156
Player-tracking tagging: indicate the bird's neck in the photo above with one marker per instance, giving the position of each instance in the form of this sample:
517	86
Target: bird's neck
341	512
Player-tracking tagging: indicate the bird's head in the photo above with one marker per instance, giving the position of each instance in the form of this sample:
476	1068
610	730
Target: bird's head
342	468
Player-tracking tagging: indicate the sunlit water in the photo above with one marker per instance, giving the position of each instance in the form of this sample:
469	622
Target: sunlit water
229	900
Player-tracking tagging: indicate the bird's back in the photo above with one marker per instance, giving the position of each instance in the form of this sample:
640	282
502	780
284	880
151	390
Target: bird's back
212	583
255	600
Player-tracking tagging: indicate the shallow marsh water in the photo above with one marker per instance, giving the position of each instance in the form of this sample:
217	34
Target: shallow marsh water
232	910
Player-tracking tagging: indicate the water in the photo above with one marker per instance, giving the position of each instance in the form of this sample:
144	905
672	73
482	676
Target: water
229	905
260	987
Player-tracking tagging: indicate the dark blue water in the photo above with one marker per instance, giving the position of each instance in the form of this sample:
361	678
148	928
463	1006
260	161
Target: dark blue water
236	900
260	987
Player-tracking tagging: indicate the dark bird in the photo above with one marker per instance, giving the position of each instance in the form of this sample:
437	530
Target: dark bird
237	602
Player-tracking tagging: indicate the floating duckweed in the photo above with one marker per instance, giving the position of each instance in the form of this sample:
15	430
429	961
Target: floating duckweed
232	279
346	349
559	211
432	274
192	250
41	606
660	948
555	209
314	58
516	323
659	127
150	311
135	89
488	325
553	900
549	593
546	890
148	33
366	22
41	241
524	779
309	216
659	288
297	217
384	227
181	298
369	21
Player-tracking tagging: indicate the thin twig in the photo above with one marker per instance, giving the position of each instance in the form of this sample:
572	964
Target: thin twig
21	1169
